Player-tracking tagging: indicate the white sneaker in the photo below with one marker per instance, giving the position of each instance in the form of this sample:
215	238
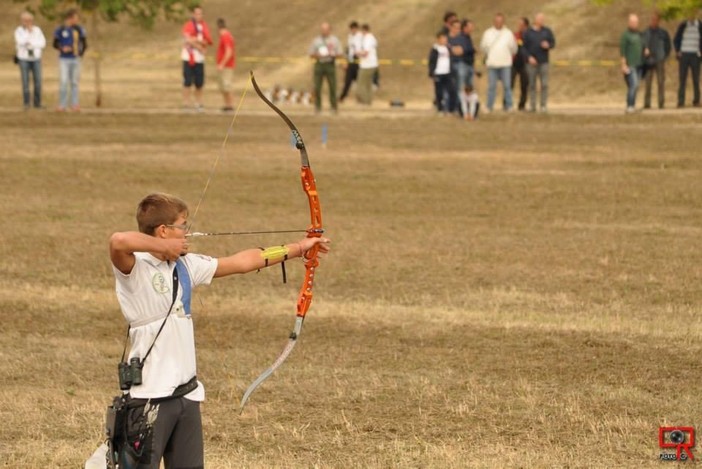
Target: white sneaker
99	458
630	109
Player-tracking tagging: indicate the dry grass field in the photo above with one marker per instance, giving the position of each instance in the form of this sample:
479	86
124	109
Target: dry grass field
520	292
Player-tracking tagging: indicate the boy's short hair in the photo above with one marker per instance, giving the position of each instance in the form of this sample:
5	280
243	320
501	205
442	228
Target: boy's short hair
468	88
440	33
221	23
70	13
159	209
448	15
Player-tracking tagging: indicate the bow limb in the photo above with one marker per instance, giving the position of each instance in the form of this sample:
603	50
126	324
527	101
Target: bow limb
311	261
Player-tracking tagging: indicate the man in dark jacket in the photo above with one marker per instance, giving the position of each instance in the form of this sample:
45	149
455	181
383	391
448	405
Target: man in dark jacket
688	48
467	28
656	51
538	41
519	63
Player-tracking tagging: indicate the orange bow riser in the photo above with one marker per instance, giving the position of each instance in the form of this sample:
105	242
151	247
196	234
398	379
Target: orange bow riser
304	300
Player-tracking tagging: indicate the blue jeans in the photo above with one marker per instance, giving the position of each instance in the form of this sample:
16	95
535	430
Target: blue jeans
69	73
469	77
504	74
460	74
33	66
632	85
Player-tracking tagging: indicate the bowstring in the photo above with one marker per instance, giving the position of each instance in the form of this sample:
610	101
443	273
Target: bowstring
219	154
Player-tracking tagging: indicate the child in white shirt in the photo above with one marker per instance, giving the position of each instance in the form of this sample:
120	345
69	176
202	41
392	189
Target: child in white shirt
470	103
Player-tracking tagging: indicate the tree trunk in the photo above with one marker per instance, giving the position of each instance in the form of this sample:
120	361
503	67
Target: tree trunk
98	59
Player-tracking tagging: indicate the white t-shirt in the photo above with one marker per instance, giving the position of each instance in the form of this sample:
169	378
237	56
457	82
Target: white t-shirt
469	103
500	46
144	297
369	44
29	39
443	61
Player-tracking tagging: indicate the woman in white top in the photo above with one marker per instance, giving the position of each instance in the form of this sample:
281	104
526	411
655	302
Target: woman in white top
29	42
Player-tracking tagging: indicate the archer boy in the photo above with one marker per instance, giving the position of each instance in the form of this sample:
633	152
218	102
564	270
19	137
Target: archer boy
154	276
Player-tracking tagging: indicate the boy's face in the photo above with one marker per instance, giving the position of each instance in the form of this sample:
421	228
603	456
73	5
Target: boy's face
178	229
443	40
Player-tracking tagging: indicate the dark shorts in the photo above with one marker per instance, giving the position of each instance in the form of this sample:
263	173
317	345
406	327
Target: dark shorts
193	74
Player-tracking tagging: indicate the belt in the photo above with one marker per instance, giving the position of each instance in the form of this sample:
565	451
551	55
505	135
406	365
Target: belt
180	391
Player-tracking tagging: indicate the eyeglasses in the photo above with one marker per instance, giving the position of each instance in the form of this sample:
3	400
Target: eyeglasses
184	227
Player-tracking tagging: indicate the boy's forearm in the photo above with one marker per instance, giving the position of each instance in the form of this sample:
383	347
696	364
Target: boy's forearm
254	259
129	242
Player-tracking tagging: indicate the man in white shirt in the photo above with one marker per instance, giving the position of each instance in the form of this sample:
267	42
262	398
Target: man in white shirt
154	277
367	67
499	46
29	43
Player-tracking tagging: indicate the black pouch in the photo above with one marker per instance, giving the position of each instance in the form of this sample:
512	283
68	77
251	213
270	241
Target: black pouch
138	432
115	419
15	59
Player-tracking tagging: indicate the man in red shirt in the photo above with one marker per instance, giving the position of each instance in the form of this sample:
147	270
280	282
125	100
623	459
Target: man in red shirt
225	63
196	38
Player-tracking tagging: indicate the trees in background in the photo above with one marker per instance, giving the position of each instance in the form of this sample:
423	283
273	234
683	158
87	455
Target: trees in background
143	13
669	9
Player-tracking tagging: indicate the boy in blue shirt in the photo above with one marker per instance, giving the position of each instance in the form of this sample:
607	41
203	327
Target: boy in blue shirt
69	40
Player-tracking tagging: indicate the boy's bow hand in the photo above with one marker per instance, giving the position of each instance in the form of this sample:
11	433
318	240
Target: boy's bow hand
308	243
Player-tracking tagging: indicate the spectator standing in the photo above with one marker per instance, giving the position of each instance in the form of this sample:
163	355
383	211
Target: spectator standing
29	44
325	48
499	46
467	28
458	43
226	61
353	45
196	38
449	17
688	48
440	73
70	41
538	41
631	51
657	48
368	66
519	62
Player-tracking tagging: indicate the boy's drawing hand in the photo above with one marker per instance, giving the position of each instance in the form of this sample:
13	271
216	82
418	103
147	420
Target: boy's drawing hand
175	247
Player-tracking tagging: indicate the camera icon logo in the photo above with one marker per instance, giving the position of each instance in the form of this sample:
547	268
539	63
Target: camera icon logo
682	439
